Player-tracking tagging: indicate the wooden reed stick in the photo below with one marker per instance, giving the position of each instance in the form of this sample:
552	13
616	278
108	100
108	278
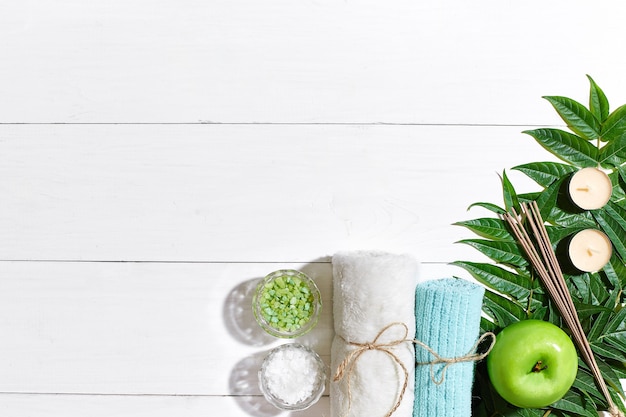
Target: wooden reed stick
545	263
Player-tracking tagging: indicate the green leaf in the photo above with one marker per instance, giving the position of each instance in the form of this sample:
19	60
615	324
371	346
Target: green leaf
585	310
487	326
500	251
547	200
510	196
615	176
562	218
615	125
608	351
528	197
586	383
529	412
591	288
539	313
616	325
488	228
622	174
545	173
601	322
566	146
489	206
598	103
498	279
503	310
558	233
613	230
617	340
615	272
611	378
617	213
580	120
574	403
613	153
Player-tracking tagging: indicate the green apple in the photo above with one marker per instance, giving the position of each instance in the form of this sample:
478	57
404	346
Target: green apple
533	363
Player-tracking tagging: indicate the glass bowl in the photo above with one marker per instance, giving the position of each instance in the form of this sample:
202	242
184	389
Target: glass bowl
287	303
292	377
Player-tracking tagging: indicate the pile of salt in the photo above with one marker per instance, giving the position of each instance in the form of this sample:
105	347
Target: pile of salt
292	375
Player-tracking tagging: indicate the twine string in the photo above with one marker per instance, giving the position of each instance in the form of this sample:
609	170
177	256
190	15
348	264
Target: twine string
472	356
346	367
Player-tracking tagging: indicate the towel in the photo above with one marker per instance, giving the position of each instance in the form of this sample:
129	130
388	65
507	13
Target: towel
447	315
371	291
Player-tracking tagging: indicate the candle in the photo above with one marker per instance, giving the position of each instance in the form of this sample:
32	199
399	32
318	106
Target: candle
590	250
590	188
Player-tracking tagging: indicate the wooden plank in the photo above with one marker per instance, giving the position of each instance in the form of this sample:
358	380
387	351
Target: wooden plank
140	406
143	328
248	193
280	61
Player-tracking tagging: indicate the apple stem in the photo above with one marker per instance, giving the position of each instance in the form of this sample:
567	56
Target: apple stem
539	366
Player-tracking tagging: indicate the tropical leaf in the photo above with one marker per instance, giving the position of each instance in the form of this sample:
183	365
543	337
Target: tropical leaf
566	219
613	153
545	173
489	206
500	251
591	288
615	125
616	325
608	352
498	278
529	412
621	171
503	310
617	193
615	271
594	334
566	146
586	383
488	228
487	325
613	230
580	120
558	233
548	198
576	404
587	310
511	203
598	103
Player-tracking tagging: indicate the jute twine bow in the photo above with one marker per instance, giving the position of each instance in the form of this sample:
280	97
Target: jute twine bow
472	356
346	367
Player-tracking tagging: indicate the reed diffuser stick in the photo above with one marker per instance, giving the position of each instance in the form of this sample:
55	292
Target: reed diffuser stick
543	259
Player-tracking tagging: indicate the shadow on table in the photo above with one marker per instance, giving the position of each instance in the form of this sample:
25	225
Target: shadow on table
238	316
244	386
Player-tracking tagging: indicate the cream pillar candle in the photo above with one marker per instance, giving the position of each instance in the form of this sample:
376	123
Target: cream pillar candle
590	250
590	188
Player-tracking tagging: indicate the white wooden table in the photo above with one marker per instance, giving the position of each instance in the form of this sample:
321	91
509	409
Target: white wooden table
158	157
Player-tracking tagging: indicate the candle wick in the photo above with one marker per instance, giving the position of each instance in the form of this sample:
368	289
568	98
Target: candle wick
583	189
591	251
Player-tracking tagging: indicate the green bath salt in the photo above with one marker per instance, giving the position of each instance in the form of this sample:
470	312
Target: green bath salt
286	303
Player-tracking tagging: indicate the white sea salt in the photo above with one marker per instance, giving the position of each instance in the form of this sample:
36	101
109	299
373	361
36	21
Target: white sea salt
292	375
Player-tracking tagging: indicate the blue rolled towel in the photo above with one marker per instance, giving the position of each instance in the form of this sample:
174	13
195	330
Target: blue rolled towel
447	313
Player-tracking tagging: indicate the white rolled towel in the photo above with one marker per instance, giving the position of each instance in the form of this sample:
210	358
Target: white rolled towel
372	290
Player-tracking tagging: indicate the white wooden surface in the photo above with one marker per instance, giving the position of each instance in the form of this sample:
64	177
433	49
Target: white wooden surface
158	157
